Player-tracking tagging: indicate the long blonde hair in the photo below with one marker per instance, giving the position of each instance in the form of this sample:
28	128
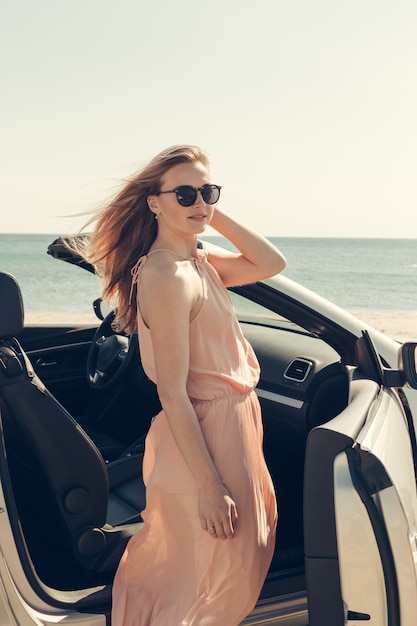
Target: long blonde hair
126	228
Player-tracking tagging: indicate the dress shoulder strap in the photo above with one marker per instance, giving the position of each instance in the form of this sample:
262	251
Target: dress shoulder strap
135	273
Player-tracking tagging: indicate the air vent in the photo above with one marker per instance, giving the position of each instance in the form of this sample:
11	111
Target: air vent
298	370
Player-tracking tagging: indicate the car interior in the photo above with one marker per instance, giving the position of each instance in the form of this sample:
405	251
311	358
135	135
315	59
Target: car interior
73	442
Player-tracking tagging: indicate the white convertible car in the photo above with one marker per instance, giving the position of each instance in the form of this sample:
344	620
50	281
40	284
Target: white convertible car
339	404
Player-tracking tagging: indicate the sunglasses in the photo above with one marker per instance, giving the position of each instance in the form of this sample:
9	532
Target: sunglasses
187	195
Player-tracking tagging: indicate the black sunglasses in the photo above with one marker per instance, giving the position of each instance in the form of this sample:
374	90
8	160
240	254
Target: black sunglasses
187	195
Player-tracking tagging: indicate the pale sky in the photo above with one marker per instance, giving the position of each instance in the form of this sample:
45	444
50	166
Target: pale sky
308	108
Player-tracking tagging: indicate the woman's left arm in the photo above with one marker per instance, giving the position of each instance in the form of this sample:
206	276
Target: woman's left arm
256	258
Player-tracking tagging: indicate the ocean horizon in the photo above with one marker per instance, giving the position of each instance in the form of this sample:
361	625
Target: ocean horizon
358	274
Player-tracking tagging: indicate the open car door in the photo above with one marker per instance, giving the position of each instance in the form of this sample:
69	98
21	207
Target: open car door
360	509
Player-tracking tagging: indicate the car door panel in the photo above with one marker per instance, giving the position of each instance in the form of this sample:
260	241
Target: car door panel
320	539
59	357
39	337
358	550
360	514
384	445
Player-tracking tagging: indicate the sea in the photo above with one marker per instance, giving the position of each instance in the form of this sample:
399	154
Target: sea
373	275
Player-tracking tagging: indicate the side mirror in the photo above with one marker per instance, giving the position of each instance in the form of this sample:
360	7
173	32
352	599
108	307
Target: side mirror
369	362
101	308
407	362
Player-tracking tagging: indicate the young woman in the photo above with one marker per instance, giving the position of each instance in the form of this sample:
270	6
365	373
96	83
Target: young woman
210	519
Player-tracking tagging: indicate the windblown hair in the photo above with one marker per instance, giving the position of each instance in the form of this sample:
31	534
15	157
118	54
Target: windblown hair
126	228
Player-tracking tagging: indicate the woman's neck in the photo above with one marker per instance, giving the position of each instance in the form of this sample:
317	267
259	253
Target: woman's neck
186	247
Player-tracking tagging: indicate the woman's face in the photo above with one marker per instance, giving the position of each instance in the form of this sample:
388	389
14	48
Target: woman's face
171	215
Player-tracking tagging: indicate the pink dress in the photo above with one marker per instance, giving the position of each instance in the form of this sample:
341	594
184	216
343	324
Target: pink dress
173	573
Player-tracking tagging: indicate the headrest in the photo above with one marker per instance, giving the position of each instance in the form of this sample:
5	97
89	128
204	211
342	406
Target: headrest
11	306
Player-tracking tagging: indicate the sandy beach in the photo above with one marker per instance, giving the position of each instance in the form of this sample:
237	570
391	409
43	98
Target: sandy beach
60	318
401	325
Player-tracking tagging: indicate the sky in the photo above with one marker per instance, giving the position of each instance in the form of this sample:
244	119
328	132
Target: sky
307	108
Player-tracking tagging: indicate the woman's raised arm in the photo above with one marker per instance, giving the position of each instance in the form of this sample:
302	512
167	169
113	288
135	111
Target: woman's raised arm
256	258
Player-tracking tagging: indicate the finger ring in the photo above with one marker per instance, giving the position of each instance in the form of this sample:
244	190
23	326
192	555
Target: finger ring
210	527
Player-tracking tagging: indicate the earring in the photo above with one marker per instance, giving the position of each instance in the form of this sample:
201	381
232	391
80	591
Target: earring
156	216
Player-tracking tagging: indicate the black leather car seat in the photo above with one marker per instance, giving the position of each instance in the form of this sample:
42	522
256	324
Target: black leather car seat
95	506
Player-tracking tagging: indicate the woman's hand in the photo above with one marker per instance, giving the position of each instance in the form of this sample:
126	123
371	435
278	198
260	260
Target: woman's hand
218	512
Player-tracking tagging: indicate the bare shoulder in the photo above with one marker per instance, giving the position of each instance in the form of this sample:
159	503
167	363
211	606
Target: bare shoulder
160	266
167	286
164	270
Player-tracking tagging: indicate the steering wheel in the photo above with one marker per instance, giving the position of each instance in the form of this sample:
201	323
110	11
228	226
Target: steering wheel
110	355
